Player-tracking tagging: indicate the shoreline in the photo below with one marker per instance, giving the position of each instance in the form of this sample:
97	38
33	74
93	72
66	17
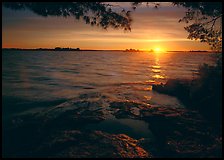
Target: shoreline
184	89
75	49
176	132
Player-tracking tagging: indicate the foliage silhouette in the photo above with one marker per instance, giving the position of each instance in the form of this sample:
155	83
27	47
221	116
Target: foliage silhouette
93	13
205	20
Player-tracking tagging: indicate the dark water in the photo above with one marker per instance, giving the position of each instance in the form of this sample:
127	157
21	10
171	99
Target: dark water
49	75
133	128
34	81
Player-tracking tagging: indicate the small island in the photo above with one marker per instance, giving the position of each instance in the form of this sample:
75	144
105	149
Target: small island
132	50
66	49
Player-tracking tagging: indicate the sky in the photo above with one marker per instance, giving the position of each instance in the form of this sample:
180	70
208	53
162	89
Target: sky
151	28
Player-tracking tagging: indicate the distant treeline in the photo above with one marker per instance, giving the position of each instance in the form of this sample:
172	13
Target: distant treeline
53	49
189	51
45	49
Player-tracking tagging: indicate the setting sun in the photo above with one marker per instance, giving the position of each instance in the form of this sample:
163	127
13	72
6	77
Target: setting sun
157	49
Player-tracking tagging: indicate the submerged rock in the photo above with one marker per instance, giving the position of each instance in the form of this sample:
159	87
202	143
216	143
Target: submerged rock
127	109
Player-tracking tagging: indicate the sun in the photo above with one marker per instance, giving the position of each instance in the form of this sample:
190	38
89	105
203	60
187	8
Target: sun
157	49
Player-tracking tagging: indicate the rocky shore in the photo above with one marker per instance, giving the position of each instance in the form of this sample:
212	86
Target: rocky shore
61	131
205	96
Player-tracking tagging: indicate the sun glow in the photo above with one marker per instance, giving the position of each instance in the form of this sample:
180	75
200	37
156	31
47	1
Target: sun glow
157	49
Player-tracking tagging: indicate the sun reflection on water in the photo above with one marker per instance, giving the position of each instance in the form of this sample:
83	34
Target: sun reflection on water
158	76
156	68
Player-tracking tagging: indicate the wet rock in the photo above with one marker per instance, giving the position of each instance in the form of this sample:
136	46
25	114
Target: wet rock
150	145
74	114
175	87
59	131
127	109
96	144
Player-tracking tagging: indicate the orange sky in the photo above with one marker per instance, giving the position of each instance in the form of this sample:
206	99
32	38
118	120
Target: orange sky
151	28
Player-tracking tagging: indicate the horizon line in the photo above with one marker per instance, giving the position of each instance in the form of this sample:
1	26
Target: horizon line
39	48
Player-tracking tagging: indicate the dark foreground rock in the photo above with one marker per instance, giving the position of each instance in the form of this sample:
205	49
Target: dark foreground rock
96	144
203	95
183	133
175	87
59	131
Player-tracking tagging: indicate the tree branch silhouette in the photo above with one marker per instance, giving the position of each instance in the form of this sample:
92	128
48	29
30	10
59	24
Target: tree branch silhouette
206	22
205	19
93	13
203	16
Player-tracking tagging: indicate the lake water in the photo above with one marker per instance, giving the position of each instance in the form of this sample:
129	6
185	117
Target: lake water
46	78
88	91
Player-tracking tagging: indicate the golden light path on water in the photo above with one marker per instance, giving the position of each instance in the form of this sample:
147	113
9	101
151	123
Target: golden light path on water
156	69
71	73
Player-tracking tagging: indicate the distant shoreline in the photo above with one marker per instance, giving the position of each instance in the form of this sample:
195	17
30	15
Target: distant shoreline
77	49
53	49
190	51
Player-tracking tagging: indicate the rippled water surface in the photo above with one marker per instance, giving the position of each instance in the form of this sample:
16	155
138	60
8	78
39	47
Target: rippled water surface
48	77
48	94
